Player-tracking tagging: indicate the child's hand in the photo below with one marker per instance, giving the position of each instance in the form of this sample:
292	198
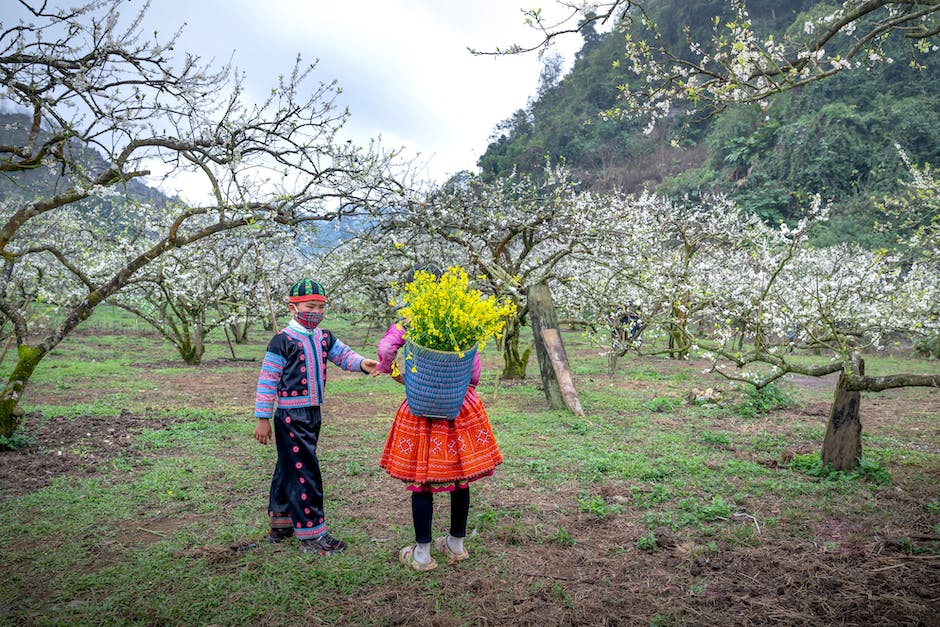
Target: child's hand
263	431
368	366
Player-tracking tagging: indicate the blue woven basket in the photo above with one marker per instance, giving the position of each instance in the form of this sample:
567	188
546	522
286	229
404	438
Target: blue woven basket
436	381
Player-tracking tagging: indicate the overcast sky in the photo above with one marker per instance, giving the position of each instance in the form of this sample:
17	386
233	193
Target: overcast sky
403	65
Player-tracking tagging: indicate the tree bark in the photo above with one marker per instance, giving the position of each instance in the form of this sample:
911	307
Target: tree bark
842	446
10	413
542	317
901	380
514	362
612	357
551	339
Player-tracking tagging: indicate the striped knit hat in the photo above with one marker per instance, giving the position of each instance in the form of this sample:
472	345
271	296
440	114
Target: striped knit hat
305	289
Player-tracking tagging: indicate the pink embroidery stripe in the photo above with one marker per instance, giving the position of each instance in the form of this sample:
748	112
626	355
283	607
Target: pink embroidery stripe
310	533
293	401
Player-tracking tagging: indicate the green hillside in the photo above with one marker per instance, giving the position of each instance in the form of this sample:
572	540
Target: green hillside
838	137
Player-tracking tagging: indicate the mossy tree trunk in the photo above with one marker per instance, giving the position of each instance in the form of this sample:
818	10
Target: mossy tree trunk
192	350
680	344
10	413
190	340
514	361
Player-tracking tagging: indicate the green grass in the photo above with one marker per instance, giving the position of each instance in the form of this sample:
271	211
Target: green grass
142	537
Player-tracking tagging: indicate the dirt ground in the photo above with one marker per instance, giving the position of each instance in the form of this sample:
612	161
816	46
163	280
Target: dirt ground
864	576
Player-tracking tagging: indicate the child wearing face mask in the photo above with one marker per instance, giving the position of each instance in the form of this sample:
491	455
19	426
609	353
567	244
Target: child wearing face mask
290	388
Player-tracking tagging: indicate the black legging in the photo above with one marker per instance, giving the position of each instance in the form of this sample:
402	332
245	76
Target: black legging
422	511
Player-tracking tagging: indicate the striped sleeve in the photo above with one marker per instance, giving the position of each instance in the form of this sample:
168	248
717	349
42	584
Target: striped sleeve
345	357
266	393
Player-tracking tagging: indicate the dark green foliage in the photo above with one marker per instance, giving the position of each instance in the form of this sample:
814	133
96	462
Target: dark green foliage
759	401
811	464
838	137
928	347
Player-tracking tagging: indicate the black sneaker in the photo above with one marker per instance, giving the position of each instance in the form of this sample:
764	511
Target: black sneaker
324	545
278	535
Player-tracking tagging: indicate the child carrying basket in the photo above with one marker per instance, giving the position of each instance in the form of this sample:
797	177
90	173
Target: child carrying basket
440	439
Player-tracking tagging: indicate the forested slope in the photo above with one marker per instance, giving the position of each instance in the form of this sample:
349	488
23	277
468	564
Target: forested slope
838	137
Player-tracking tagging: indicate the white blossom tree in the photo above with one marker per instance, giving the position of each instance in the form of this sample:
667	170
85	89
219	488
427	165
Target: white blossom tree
366	271
661	255
841	302
770	285
737	64
512	233
91	80
215	284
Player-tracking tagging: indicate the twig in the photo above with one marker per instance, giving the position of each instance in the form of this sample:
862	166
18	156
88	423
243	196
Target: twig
225	328
156	533
547	576
877	570
6	347
746	515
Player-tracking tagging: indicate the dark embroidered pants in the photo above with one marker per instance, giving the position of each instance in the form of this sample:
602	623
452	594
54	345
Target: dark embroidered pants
296	498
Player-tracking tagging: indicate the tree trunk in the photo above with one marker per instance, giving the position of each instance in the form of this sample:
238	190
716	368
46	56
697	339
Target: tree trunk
842	446
10	413
514	363
542	316
612	357
191	346
551	340
560	395
239	332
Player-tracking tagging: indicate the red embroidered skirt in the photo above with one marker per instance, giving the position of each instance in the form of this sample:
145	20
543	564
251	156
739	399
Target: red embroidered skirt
435	455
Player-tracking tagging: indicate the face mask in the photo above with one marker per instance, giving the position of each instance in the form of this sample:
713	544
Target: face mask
309	319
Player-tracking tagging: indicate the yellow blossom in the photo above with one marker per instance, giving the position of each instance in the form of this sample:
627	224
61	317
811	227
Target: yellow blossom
446	314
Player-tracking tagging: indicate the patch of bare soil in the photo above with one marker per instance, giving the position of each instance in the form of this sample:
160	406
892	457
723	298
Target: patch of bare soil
861	576
70	446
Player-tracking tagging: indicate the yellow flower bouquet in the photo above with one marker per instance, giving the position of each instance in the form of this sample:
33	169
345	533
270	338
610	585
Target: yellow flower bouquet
447	322
447	315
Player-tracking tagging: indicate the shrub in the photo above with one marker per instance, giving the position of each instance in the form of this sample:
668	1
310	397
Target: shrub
759	401
19	439
928	347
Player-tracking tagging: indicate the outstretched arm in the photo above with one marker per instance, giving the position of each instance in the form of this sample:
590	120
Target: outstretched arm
388	346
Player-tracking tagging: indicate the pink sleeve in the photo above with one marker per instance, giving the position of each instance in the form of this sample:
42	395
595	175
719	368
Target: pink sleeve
475	372
393	340
388	347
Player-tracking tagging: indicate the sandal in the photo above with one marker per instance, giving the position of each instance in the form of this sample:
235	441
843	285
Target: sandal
452	557
407	557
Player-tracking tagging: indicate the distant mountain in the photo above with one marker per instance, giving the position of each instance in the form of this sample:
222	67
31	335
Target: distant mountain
44	181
